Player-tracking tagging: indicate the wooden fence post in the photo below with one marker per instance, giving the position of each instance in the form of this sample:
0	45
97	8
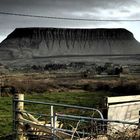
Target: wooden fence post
18	106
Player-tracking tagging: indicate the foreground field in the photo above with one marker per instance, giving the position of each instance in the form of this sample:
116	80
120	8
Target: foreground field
61	88
81	98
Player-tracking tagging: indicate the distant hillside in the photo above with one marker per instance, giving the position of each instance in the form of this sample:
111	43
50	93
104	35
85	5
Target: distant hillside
49	43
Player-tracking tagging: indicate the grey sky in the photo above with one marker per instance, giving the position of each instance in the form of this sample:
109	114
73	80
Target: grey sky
90	9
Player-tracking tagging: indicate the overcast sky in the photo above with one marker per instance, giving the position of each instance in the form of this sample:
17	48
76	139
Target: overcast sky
89	9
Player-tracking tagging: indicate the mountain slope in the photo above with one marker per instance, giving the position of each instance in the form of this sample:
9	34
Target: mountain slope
33	43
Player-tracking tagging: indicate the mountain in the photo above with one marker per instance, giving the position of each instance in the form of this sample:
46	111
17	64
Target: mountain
36	45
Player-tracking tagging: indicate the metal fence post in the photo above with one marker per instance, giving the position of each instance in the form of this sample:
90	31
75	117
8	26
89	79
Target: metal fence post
54	126
52	120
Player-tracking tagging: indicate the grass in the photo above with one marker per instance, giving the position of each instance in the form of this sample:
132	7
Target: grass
5	115
82	99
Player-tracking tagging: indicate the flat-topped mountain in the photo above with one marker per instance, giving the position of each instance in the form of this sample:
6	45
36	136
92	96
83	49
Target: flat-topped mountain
34	43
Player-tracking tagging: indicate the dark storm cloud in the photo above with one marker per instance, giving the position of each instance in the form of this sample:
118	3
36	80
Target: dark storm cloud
99	9
90	9
69	3
52	6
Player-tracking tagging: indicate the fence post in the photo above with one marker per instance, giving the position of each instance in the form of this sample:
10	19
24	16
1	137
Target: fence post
17	107
53	117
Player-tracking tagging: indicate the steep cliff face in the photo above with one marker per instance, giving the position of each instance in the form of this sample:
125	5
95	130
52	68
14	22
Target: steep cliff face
51	42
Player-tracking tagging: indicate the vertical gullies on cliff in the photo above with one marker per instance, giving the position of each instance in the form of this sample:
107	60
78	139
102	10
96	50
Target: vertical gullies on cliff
43	42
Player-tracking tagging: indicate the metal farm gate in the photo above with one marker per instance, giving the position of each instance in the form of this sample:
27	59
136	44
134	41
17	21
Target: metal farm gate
34	120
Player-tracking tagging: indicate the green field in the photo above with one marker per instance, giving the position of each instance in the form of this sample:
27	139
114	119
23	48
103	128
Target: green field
5	115
82	98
